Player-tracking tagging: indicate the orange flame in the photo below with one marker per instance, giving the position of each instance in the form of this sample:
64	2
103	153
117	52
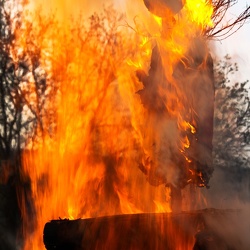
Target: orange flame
89	167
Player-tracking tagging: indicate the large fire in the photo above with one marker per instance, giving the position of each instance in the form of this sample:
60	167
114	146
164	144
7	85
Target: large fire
124	95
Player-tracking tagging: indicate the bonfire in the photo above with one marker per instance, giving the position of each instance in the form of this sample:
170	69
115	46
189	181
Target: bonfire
124	139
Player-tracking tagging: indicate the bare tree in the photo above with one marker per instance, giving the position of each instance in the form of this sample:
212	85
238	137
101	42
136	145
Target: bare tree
232	123
23	86
231	128
24	100
221	30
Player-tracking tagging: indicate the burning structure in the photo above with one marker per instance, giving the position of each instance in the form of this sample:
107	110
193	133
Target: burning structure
127	117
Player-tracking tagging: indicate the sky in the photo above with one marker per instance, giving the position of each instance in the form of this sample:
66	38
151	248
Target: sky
237	45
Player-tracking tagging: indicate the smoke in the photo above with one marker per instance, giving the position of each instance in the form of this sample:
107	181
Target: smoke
229	187
224	229
178	91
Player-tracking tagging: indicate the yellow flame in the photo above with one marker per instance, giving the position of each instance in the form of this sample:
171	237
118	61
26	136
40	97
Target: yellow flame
187	159
158	20
137	65
140	60
186	142
200	11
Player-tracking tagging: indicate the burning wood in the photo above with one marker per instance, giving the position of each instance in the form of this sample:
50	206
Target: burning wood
146	231
126	103
161	94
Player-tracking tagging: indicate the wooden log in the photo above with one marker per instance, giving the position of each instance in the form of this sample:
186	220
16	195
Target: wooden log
143	231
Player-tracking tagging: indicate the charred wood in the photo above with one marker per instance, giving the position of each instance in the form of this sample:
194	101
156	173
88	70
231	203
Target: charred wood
203	229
